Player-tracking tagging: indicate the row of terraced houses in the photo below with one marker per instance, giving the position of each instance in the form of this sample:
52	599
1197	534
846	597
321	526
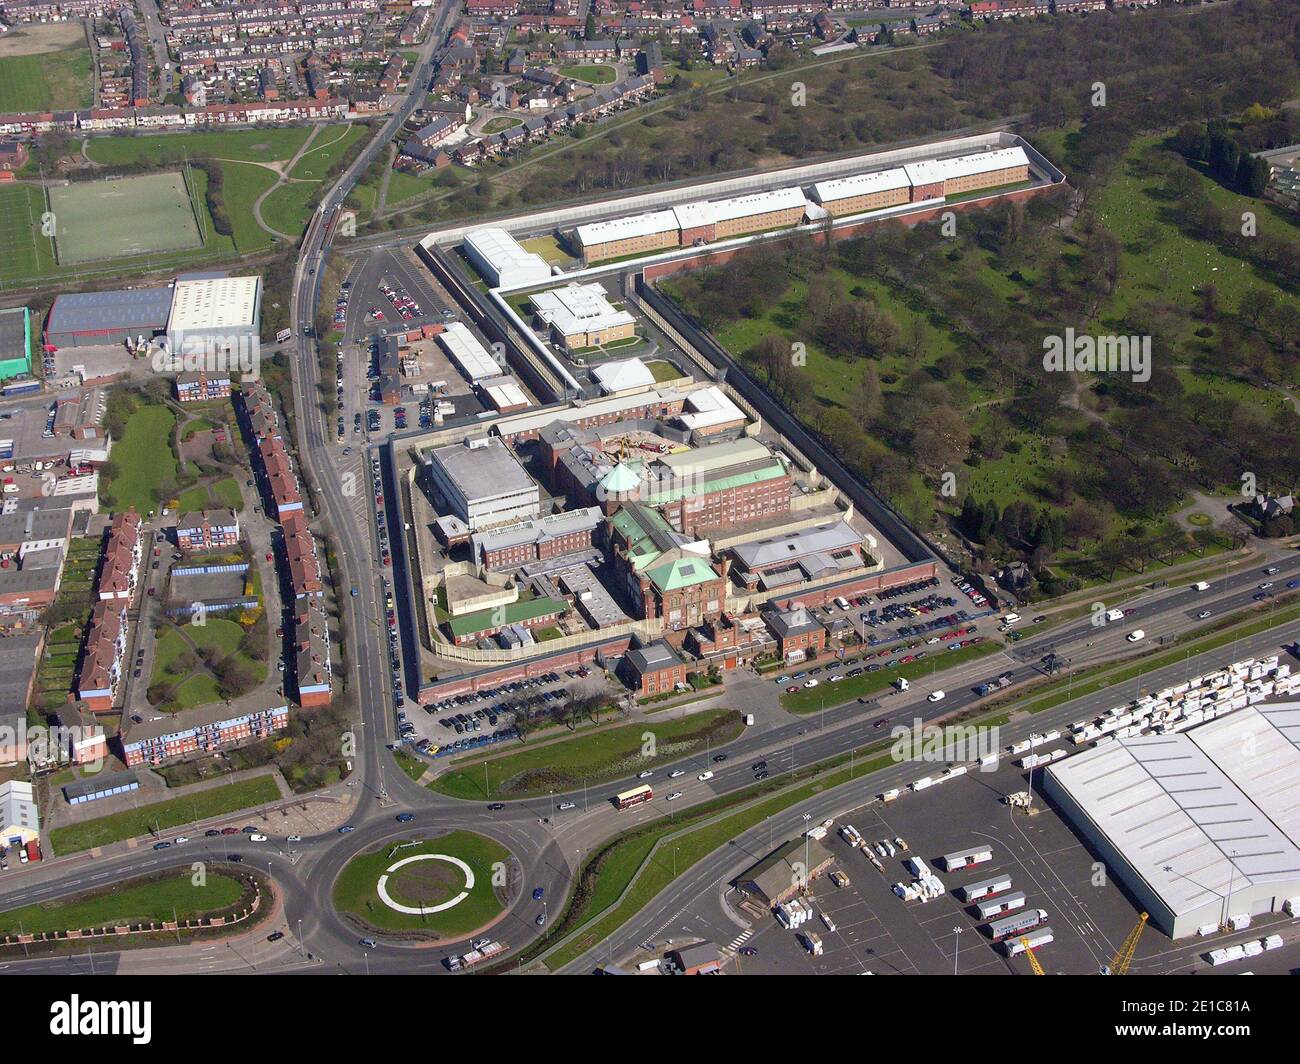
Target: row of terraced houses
312	673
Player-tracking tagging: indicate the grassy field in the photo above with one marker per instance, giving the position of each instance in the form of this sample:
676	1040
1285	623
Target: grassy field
27	252
424	883
289	207
49	81
124	217
825	695
592	73
222	493
145	465
245	145
163	815
496	125
594	758
142	901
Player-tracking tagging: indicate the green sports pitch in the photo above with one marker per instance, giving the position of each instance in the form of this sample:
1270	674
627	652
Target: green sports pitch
122	217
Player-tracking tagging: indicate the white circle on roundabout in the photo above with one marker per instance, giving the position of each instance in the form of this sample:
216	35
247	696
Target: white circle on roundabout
421	910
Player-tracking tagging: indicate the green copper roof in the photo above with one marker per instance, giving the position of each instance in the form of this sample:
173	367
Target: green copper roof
752	476
686	572
482	620
648	535
621	478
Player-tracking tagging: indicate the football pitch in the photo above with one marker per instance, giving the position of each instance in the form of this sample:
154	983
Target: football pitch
121	217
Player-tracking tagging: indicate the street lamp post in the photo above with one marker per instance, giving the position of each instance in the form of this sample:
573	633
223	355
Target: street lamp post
956	946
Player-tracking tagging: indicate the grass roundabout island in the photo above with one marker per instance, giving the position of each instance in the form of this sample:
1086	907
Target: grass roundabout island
446	887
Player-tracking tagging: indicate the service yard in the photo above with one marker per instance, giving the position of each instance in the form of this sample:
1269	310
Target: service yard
1090	914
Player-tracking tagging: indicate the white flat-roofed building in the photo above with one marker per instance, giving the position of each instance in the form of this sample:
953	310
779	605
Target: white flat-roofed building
482	483
620	378
214	309
580	315
505	395
636	233
502	260
863	192
709	410
757	203
471	357
1194	844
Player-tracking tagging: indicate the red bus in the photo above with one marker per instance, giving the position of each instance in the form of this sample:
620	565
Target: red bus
635	796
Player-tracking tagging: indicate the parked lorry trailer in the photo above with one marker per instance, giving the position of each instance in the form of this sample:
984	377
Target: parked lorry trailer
1017	924
1013	947
985	888
952	862
991	907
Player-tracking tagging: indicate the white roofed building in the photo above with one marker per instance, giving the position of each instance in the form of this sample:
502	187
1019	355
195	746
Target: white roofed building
620	378
218	312
471	357
864	192
1202	825
710	410
580	315
502	260
632	235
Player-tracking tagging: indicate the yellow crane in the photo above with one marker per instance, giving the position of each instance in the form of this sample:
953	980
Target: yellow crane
1033	960
1124	956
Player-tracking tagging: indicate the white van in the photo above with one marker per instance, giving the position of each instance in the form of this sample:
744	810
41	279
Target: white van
1114	615
901	684
1010	619
1201	585
1136	635
936	696
749	720
842	602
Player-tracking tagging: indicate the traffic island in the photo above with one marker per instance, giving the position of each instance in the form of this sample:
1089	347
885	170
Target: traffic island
441	888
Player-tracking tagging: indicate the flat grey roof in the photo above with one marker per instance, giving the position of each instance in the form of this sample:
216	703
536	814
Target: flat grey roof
794	545
655	656
128	308
17	663
482	472
49	523
100	782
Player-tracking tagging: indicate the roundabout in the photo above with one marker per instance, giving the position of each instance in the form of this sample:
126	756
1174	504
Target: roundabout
446	886
419	910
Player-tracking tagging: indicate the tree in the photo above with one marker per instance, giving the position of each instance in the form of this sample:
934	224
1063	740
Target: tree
589	30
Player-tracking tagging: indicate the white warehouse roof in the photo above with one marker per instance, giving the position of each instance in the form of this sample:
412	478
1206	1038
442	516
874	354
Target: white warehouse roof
503	260
623	228
1258	748
579	308
214	303
470	356
1186	830
860	185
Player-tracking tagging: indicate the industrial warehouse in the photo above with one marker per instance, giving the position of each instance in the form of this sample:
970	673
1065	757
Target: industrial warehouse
1201	826
202	308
